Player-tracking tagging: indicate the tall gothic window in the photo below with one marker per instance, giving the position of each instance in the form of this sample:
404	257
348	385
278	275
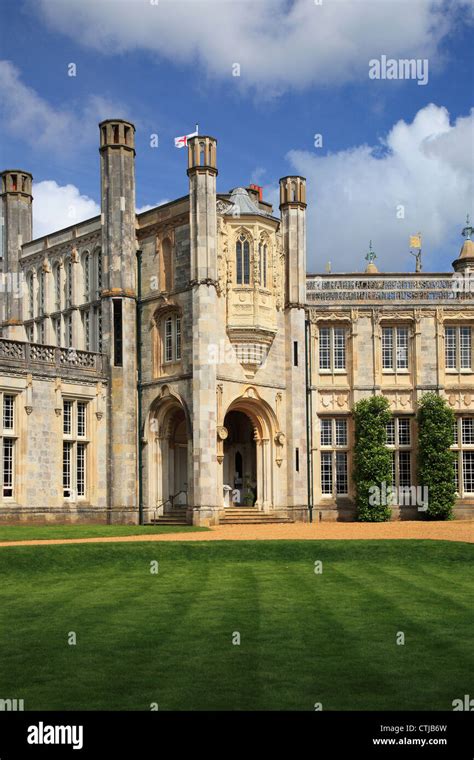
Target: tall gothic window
86	327
166	265
57	287
41	290
97	329
243	261
98	269
31	296
262	263
68	330
69	284
86	273
171	338
57	330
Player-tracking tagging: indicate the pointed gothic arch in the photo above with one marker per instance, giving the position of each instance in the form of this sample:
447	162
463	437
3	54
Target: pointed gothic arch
167	431
243	257
267	450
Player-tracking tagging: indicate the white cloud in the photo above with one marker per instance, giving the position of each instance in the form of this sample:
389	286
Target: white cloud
26	114
277	43
57	206
149	206
425	166
353	196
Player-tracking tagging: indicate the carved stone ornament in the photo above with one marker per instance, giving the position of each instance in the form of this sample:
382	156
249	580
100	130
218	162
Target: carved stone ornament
222	432
280	438
223	206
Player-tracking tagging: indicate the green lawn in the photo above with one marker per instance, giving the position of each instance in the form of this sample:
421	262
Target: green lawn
41	532
305	638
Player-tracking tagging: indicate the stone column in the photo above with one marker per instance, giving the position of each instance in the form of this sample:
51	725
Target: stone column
202	172
16	200
119	246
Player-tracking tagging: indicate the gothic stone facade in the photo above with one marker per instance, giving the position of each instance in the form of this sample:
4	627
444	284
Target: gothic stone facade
182	357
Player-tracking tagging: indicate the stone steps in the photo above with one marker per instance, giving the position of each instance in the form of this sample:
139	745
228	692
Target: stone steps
250	516
175	517
232	516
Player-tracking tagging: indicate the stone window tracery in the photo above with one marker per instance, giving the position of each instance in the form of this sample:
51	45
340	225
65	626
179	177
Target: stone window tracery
242	260
263	261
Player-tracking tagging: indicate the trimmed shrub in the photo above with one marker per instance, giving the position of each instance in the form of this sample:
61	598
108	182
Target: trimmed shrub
372	459
435	458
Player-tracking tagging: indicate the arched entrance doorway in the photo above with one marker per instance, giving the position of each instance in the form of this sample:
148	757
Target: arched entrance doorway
240	462
251	452
178	458
169	453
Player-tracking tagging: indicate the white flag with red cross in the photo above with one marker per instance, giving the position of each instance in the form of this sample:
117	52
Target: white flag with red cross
181	142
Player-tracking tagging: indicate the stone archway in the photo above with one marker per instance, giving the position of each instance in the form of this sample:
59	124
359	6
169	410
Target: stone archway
240	461
254	434
169	453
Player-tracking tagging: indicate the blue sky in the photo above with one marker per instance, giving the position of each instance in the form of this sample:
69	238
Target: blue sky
167	66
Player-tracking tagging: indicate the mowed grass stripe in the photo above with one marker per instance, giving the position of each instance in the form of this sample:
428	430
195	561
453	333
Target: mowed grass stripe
429	643
167	638
44	532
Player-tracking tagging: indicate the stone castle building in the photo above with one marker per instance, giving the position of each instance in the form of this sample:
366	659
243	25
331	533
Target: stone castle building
181	362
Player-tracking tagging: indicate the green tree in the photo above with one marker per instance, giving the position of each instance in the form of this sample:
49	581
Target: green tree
435	458
372	459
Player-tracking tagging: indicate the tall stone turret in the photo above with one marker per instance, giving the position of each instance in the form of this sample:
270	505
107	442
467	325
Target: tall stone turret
202	172
16	199
119	246
293	229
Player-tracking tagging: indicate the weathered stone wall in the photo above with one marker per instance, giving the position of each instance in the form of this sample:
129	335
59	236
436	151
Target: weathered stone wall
335	394
38	492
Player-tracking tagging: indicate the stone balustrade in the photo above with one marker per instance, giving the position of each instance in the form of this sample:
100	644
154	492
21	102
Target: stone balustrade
30	354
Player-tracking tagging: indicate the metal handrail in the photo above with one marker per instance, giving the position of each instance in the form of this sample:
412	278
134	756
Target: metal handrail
170	499
177	494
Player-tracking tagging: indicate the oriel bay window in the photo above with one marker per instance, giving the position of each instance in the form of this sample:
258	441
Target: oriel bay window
8	439
458	345
464	455
332	349
334	454
75	443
